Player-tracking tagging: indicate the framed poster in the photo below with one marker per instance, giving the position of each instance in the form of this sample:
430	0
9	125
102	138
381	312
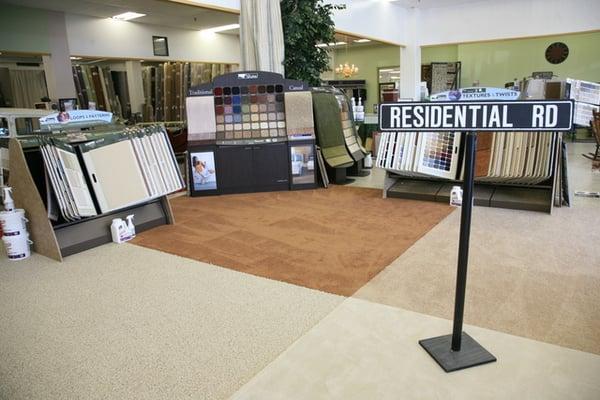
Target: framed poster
203	172
160	44
302	165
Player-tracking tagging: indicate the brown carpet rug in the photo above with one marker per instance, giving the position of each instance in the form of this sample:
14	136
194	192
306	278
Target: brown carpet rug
334	240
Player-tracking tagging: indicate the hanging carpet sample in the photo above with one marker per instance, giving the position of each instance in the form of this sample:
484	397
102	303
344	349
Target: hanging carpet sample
299	122
115	173
350	137
438	155
75	179
101	104
483	156
330	133
201	118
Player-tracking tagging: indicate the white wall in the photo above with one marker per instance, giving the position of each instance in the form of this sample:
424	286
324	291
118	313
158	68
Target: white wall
490	19
374	18
227	4
100	37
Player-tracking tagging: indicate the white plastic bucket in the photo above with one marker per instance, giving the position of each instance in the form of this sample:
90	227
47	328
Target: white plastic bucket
17	247
13	222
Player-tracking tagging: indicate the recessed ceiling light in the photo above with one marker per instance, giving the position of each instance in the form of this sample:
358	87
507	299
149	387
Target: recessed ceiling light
75	58
362	40
126	16
222	28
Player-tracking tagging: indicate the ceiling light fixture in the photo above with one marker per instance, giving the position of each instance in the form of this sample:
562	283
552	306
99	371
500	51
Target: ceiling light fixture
362	40
222	28
75	58
346	70
126	16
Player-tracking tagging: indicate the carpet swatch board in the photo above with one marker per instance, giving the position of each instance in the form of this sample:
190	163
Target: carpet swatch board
330	131
201	118
310	238
300	122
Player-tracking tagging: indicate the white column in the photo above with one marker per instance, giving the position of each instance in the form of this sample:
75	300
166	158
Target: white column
135	85
57	66
410	59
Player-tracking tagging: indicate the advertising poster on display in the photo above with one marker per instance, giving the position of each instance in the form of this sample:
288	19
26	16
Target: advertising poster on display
204	174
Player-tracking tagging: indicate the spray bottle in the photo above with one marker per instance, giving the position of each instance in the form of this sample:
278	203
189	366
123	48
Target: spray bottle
130	226
9	203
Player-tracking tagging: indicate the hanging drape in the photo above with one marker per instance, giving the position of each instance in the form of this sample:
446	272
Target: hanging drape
261	36
28	87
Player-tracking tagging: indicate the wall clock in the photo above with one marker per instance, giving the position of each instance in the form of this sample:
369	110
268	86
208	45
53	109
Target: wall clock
557	52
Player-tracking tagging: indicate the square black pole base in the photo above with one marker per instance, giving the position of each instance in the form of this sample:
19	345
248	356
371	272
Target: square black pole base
471	353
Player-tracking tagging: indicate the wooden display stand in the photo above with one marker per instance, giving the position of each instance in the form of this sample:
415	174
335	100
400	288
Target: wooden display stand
61	240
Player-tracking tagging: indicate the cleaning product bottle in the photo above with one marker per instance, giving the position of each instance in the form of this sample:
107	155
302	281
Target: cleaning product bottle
130	226
9	203
360	110
118	230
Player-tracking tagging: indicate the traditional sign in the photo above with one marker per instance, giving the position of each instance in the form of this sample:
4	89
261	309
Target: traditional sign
477	116
477	93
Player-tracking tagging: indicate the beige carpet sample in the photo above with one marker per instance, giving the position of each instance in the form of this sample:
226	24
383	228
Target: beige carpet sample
364	350
201	118
116	175
530	274
125	322
299	114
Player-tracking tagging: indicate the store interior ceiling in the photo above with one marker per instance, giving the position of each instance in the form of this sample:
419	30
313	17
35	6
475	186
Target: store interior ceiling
158	12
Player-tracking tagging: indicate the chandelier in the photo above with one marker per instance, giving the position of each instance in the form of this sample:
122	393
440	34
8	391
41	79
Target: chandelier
346	70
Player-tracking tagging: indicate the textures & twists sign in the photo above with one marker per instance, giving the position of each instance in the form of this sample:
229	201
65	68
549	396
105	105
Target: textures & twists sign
477	116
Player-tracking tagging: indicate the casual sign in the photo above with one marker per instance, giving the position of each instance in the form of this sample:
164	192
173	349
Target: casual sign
477	116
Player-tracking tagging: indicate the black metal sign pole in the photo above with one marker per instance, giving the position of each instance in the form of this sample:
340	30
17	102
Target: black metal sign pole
459	350
463	243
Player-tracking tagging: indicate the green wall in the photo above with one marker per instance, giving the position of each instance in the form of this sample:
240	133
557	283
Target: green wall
368	58
447	53
494	63
23	29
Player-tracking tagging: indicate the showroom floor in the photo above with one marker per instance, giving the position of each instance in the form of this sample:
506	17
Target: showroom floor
123	321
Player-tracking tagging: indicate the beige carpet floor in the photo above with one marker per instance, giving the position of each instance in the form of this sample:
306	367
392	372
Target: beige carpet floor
125	322
530	274
364	350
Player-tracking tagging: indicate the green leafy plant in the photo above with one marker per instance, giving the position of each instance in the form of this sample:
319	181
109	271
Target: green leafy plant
305	24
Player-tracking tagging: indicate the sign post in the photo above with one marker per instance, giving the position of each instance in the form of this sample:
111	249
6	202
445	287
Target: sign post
459	350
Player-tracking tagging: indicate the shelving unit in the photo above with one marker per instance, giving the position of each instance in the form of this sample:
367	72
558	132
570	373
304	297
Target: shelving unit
540	197
60	240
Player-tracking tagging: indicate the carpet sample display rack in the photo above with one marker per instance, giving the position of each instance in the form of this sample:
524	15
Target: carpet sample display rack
166	86
516	170
73	186
337	134
104	88
250	131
